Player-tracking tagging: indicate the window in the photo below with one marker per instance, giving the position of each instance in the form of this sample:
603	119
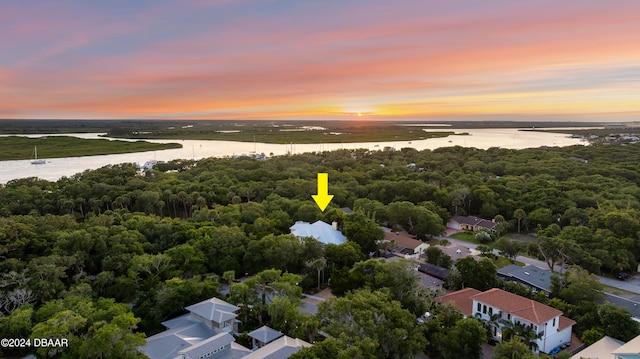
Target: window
554	322
508	316
490	311
484	309
479	307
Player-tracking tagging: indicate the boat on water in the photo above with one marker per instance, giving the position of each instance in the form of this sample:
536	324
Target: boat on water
36	161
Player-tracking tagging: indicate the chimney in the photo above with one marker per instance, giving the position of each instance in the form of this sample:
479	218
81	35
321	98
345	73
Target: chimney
334	225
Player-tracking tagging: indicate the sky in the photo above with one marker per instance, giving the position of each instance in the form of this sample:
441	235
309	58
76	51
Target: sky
324	59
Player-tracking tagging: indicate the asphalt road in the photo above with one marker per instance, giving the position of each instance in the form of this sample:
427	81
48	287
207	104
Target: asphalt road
631	285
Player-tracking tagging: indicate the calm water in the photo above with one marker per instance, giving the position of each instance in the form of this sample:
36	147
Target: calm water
56	168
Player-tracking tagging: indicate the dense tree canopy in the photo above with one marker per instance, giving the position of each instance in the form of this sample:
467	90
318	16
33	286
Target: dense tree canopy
160	239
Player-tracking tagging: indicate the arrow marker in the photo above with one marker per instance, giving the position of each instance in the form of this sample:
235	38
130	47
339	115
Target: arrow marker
323	198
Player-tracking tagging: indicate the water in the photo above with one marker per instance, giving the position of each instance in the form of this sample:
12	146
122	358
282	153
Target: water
56	168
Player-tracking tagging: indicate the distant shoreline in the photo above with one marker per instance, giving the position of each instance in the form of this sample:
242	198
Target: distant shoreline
275	132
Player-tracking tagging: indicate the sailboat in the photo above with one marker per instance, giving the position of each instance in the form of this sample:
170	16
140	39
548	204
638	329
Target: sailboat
36	161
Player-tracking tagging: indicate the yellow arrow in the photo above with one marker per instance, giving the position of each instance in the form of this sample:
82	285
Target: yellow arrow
323	198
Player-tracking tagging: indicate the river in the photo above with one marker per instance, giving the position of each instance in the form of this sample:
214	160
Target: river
56	168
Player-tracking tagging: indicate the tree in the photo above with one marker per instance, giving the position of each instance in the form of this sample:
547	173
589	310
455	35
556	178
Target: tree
343	255
483	236
480	274
580	286
436	256
541	217
507	248
464	340
592	335
513	349
364	231
519	214
415	219
319	265
618	323
365	315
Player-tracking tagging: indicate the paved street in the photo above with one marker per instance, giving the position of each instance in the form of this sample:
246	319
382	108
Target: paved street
631	285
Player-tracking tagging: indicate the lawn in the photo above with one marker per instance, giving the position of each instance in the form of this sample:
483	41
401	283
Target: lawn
465	236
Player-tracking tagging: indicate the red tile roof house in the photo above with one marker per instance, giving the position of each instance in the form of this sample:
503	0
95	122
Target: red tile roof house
471	223
553	327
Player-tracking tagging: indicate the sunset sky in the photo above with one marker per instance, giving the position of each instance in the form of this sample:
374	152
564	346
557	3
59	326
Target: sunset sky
325	59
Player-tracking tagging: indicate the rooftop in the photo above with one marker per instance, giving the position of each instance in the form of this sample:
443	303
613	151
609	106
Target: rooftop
522	307
279	348
265	334
632	347
319	230
602	349
168	344
217	343
460	299
403	239
428	281
456	251
532	275
474	221
434	270
214	309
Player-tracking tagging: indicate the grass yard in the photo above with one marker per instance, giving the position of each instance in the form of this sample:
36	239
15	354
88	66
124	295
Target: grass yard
465	236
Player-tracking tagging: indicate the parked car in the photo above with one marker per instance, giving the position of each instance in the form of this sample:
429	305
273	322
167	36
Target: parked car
555	350
624	276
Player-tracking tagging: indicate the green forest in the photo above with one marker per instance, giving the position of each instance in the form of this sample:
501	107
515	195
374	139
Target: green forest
104	256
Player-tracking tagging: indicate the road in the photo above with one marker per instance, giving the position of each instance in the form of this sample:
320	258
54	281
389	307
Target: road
631	285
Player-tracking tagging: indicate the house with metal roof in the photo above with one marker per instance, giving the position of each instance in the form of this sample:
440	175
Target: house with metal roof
263	336
205	332
538	279
216	313
322	231
280	348
434	270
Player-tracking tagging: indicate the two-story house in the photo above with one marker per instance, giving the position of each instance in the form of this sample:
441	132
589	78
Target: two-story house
205	332
507	310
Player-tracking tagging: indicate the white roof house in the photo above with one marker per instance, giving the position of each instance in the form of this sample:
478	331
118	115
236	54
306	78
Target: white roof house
630	350
602	349
319	230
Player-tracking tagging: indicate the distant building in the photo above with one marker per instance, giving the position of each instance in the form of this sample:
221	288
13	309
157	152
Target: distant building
548	323
406	244
346	210
457	251
434	270
538	279
323	232
429	282
471	223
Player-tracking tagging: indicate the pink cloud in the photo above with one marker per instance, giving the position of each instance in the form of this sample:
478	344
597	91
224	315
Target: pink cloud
379	52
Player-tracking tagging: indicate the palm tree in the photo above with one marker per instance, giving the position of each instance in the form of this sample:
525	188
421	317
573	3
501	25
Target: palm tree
319	265
519	214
